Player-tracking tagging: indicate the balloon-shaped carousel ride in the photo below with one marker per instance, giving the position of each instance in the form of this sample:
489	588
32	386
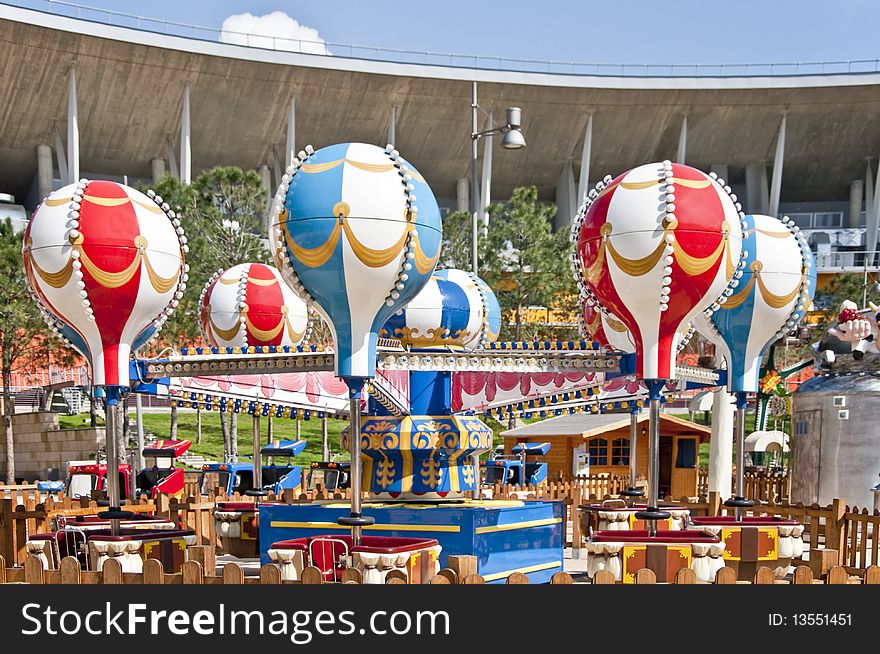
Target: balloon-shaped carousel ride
105	263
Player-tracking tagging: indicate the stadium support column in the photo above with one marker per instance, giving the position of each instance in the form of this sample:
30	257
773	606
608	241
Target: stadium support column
756	192
461	194
776	182
873	213
392	125
157	168
721	170
44	170
584	178
266	181
172	160
682	141
566	204
486	187
72	129
290	147
60	155
856	187
721	444
185	143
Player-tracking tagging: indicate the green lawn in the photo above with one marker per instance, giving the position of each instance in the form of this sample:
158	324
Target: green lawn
211	446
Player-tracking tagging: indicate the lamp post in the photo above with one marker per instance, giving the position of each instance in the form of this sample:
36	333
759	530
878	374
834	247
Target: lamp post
513	140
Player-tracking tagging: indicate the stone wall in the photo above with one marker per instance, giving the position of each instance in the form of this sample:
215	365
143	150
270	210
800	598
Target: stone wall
42	449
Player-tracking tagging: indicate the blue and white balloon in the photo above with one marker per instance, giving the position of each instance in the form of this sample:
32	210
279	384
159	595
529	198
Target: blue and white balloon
357	232
455	309
772	295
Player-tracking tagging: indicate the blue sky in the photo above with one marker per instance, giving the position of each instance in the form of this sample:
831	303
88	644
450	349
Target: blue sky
633	31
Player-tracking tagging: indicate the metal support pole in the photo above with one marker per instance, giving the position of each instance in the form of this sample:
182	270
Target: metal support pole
356	519
258	457
631	492
475	221
633	447
139	420
325	446
654	454
257	490
113	513
653	512
112	461
739	501
475	189
355	452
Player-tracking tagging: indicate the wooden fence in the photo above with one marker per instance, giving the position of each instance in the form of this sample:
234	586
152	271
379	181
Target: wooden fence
852	532
461	571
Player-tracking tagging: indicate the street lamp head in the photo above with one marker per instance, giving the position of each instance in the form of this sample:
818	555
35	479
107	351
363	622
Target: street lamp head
514	117
513	140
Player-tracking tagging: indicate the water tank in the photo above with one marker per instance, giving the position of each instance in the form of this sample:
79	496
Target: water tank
835	443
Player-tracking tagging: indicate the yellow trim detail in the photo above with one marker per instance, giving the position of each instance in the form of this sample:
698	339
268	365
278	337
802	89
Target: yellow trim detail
527	524
311	168
531	568
225	334
688	183
695	266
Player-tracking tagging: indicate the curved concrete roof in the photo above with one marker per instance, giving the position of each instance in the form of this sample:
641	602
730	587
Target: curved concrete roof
130	93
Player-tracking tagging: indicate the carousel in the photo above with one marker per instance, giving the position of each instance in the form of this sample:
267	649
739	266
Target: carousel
355	236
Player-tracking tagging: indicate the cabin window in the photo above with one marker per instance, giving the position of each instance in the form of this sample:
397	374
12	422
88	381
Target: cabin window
687	453
620	452
598	448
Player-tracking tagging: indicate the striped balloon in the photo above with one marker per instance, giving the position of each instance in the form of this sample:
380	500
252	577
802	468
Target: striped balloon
606	329
250	305
454	309
768	299
657	246
357	233
106	264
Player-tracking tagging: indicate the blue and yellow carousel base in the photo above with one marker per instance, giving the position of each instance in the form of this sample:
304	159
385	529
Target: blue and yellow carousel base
505	536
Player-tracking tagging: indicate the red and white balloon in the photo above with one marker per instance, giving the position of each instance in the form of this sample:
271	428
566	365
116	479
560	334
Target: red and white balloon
605	329
106	264
250	305
655	247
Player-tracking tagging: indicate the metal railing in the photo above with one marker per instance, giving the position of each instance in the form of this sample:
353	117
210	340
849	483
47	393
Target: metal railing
847	261
474	61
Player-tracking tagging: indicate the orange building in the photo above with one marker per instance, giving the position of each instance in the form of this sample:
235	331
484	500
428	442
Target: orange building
605	437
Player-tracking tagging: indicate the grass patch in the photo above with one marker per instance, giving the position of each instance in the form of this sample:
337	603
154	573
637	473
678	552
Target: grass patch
211	446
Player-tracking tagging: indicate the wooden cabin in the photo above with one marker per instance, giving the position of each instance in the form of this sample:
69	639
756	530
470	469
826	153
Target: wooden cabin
605	437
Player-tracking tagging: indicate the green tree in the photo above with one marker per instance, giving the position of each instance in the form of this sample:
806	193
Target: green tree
525	261
223	214
24	341
457	250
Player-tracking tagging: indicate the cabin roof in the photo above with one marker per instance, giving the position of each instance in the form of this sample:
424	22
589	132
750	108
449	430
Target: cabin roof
588	425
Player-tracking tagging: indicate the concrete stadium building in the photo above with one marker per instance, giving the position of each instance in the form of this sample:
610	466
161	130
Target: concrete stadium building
101	98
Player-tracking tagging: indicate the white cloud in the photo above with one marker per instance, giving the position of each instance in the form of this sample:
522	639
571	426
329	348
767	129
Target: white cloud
275	31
